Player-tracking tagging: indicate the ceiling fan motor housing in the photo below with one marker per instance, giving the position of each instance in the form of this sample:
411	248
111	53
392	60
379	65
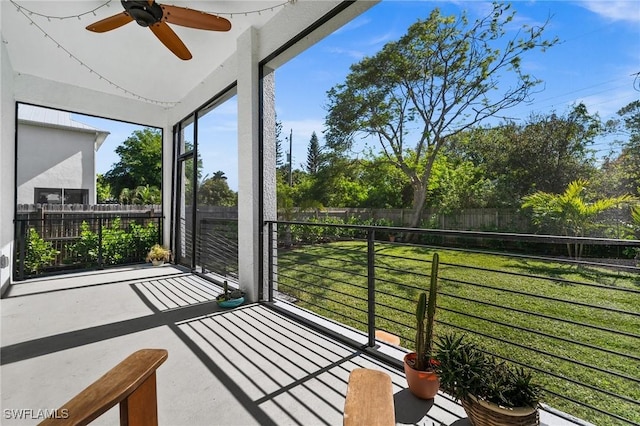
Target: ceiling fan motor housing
142	12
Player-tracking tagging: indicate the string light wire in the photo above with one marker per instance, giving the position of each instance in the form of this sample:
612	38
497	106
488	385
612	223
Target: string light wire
50	17
29	13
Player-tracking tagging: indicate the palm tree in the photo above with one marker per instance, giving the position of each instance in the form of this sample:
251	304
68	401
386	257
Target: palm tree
145	194
570	211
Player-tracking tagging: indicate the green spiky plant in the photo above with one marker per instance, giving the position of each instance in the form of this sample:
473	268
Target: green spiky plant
229	295
425	317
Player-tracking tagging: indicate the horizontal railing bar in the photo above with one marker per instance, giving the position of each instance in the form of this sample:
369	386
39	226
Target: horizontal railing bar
397	323
333	291
354	262
327	268
59	220
518	274
329	310
403	285
593	367
350	250
517	256
559	376
278	275
318	286
556	239
323	276
592	407
550	317
539	296
404	299
392	269
540	277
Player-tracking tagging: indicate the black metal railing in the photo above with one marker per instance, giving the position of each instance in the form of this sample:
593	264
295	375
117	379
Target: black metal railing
574	322
61	242
217	247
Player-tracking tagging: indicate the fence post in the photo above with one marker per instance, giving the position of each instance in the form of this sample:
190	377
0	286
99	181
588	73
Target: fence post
160	230
100	259
371	286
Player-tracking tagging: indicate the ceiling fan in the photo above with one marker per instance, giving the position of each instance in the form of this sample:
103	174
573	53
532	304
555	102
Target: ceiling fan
148	13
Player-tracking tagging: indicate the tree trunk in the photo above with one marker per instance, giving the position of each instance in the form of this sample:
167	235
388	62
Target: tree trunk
419	199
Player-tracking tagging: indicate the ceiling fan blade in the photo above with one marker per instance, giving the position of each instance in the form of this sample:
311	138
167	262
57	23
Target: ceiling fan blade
170	39
194	18
110	23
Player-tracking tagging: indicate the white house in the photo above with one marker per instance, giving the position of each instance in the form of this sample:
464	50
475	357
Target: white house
56	157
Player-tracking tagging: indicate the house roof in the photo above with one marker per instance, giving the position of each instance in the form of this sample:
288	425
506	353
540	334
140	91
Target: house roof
59	119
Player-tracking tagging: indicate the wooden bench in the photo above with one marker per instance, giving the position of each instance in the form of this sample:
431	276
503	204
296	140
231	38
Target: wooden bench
131	383
369	399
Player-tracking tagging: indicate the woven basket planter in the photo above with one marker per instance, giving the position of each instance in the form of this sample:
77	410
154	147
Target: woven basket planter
482	413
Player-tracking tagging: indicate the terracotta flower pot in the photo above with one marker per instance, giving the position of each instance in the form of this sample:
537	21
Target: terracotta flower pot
423	384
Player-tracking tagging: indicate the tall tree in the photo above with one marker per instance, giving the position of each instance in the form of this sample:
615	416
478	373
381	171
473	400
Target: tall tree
443	77
104	193
140	162
628	161
313	155
545	153
215	191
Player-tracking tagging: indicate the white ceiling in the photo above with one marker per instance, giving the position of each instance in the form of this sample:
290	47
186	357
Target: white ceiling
128	61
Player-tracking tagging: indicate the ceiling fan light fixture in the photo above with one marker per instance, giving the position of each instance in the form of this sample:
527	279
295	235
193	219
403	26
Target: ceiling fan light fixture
142	12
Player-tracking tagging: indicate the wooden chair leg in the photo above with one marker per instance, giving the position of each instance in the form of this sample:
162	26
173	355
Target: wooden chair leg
140	408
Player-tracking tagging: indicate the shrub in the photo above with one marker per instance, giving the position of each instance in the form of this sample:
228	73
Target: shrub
40	253
119	245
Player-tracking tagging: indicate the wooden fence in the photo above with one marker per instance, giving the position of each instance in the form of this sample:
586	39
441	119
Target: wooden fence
506	220
61	226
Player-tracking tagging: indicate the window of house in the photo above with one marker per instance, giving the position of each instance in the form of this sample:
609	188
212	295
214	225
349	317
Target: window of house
61	196
76	196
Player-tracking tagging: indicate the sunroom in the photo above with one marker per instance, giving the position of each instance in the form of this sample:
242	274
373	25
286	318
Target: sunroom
285	356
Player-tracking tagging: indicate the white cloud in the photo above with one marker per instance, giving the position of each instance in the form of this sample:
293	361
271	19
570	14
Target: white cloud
382	38
615	10
607	103
352	53
355	24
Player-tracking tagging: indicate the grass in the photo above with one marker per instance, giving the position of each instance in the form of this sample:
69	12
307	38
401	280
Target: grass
562	320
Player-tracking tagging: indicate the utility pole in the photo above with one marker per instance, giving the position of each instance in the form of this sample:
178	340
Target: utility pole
290	158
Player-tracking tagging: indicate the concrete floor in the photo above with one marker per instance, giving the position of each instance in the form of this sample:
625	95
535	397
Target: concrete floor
247	366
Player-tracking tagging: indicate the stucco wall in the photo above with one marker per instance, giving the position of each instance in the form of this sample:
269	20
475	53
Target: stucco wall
7	146
50	157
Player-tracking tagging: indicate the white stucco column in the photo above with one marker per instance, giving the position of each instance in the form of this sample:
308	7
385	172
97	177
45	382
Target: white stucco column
248	163
269	165
7	167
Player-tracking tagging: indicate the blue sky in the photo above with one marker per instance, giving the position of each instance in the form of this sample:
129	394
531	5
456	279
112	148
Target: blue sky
594	63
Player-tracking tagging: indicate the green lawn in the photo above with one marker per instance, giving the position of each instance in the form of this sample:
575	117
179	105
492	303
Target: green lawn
492	295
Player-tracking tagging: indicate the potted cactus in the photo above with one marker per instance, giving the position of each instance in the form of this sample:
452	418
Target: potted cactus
419	366
230	299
